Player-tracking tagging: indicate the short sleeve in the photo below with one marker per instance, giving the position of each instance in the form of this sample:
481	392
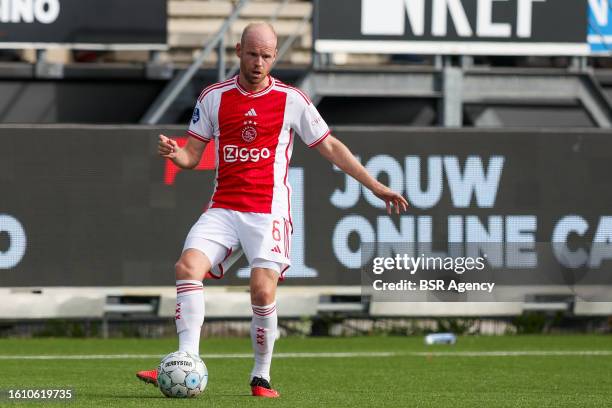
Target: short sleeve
200	125
310	125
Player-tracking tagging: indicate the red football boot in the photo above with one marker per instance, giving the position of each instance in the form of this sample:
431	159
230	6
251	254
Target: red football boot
148	376
260	387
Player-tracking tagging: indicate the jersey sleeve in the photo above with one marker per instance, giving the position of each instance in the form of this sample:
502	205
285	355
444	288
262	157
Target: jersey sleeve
309	124
200	126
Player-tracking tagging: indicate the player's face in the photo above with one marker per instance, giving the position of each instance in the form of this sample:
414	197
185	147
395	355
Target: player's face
256	58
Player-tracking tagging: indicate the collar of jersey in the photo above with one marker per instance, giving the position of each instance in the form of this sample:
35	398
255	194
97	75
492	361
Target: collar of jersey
254	94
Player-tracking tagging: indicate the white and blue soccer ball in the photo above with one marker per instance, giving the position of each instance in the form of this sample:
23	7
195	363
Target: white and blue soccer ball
182	375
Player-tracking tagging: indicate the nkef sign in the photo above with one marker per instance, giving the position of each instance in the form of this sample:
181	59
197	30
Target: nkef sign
471	27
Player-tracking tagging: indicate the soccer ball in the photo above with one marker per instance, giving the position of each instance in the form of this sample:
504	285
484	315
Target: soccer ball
182	375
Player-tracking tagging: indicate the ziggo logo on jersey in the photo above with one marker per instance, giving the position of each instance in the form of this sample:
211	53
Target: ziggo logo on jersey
233	153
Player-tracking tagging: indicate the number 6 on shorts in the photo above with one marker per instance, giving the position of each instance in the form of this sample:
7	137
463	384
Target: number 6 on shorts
275	231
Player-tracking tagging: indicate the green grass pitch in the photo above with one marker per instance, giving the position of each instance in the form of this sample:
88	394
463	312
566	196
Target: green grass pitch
539	371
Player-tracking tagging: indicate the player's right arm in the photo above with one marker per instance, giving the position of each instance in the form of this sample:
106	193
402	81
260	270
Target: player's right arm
186	157
200	132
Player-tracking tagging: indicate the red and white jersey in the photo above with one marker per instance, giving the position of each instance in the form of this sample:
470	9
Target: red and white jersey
254	135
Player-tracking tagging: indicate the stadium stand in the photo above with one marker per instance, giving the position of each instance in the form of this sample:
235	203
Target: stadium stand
192	22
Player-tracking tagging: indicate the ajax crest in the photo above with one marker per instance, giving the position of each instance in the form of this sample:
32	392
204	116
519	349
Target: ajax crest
249	132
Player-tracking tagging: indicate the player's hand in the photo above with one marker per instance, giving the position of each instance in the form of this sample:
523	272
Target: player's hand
395	202
167	147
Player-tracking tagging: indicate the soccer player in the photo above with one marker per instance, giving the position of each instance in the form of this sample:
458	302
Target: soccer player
253	118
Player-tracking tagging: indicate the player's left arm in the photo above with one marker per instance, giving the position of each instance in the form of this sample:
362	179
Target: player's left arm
336	152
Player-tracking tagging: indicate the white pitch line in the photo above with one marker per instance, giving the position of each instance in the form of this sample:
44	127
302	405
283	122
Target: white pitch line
81	357
206	356
538	353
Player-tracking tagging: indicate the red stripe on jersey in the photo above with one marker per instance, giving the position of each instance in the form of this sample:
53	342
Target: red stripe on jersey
254	94
319	140
212	87
282	85
288	243
216	85
286	175
247	149
196	136
285	239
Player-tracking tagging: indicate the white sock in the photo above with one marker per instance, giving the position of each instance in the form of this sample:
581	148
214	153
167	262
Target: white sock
263	335
189	315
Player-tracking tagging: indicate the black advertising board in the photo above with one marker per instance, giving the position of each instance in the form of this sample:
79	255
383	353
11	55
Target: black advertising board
84	24
95	206
447	27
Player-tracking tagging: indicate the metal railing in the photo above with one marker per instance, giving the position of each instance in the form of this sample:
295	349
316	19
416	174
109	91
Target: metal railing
177	85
